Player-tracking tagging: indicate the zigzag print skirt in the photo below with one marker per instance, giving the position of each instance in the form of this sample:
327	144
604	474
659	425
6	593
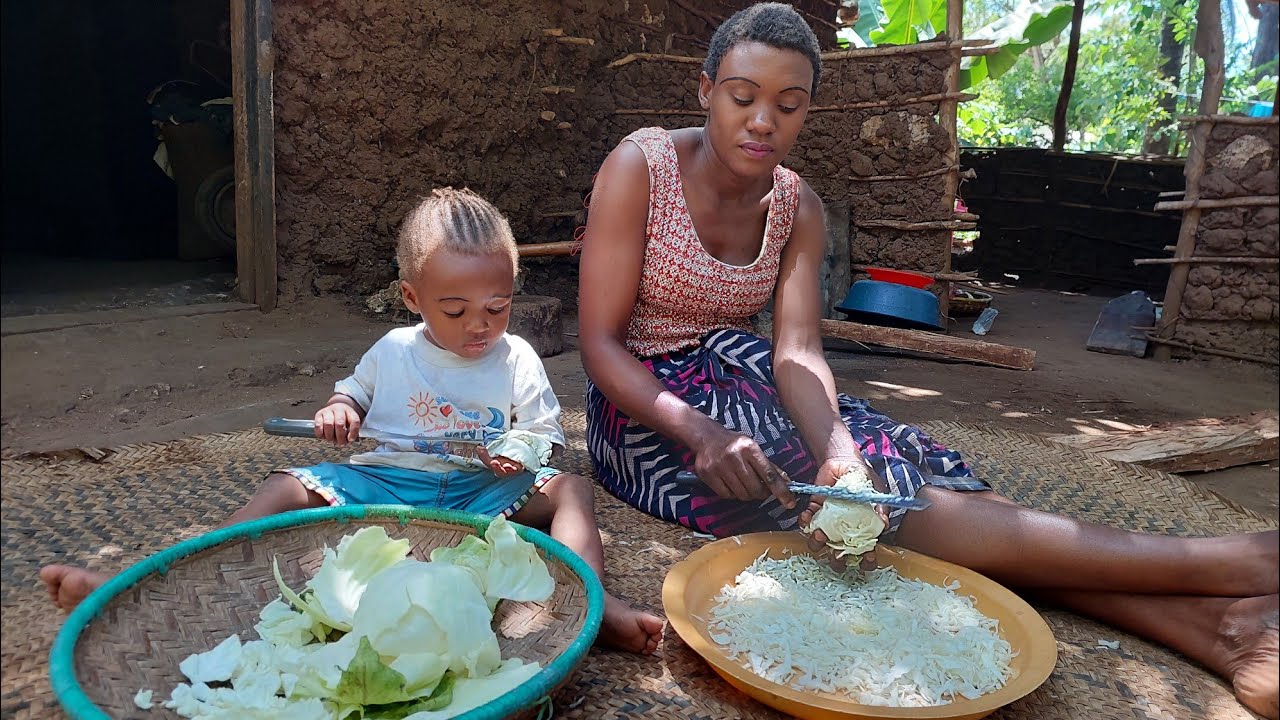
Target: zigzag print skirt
729	376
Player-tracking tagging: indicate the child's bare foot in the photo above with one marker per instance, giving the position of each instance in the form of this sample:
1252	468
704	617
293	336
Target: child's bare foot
68	585
627	628
1250	640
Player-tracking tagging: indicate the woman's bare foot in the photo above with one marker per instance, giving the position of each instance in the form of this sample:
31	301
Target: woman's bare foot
68	585
626	628
1249	641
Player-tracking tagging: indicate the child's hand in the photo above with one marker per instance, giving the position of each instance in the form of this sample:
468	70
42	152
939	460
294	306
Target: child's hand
338	423
501	466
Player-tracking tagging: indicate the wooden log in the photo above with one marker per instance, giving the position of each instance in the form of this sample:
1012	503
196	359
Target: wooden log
1194	446
548	249
1210	351
922	225
896	102
536	318
976	351
1208	260
1210	203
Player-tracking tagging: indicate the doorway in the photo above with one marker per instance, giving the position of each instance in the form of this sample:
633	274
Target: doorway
118	182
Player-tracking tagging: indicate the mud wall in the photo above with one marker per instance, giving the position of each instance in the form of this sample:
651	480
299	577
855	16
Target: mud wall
1236	307
376	103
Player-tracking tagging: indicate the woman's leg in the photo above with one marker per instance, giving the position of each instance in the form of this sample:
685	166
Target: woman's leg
1026	548
567	505
1236	638
280	492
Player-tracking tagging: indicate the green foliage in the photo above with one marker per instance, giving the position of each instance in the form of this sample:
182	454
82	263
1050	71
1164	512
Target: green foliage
910	21
1030	24
1116	100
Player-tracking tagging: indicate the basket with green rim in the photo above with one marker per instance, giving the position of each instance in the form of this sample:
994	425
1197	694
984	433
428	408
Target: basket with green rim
131	633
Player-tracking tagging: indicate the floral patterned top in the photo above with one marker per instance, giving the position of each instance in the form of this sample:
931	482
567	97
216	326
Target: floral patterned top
685	292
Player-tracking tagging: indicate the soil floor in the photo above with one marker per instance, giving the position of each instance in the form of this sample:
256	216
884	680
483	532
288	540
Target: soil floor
153	380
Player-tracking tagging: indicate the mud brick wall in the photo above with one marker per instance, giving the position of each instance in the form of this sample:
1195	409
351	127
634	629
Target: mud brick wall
1236	307
840	148
378	102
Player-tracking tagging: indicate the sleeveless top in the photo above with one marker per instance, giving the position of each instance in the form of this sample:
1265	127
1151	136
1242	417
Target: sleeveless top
685	292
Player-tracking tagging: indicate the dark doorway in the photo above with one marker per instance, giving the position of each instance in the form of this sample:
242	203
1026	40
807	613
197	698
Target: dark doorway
94	216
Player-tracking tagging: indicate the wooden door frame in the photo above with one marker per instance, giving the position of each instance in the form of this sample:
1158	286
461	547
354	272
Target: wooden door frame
252	67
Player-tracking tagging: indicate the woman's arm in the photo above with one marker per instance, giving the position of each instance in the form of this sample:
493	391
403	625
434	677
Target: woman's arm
804	379
612	257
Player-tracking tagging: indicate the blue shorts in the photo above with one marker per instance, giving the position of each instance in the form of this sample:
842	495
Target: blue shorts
477	491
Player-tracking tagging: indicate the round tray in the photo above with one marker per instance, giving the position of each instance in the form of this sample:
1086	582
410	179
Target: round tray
692	585
132	632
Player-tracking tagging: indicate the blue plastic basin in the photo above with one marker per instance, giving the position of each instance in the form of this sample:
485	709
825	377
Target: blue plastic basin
884	303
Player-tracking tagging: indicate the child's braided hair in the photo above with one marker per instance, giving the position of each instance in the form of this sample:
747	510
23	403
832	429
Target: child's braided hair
459	220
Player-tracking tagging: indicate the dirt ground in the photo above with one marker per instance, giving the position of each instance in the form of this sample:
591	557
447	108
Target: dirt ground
154	380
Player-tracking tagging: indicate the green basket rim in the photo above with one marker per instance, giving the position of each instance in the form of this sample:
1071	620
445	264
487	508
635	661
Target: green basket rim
533	691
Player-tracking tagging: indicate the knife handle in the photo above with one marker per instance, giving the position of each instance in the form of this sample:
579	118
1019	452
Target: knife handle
289	428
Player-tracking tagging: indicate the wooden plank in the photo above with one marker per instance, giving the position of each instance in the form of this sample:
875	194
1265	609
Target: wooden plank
947	120
548	249
1207	260
1208	45
1248	201
252	70
26	324
985	353
1194	446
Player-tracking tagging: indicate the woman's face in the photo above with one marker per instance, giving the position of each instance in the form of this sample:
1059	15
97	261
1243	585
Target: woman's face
756	105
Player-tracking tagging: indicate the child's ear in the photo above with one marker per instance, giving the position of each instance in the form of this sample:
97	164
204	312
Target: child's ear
410	297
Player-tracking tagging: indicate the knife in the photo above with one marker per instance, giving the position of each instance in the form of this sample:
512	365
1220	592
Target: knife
870	497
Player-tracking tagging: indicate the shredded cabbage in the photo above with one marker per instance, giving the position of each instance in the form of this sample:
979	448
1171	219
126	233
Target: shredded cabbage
879	640
373	635
851	527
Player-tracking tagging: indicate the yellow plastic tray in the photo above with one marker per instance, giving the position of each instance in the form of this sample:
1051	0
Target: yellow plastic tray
692	585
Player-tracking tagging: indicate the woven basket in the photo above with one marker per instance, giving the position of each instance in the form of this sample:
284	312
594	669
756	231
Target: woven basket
971	302
133	631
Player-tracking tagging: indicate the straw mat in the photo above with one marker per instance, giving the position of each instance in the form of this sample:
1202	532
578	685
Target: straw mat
136	500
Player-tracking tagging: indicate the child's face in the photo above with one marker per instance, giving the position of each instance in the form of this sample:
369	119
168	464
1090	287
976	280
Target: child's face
465	300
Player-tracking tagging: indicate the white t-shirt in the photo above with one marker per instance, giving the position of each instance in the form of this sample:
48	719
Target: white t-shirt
429	409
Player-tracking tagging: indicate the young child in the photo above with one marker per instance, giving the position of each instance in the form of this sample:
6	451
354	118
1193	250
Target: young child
436	398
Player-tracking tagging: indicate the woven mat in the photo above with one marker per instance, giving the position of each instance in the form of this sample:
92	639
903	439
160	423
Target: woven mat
136	500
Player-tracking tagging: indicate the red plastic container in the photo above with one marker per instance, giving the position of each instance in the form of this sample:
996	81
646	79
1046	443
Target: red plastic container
900	277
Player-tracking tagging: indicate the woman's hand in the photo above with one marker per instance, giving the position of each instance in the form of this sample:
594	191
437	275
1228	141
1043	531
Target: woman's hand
338	422
734	466
828	473
503	467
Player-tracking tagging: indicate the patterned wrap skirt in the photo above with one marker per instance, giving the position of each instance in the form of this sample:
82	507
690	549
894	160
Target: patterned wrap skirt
729	377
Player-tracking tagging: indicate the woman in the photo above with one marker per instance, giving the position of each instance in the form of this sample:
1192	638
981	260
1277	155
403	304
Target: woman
692	232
